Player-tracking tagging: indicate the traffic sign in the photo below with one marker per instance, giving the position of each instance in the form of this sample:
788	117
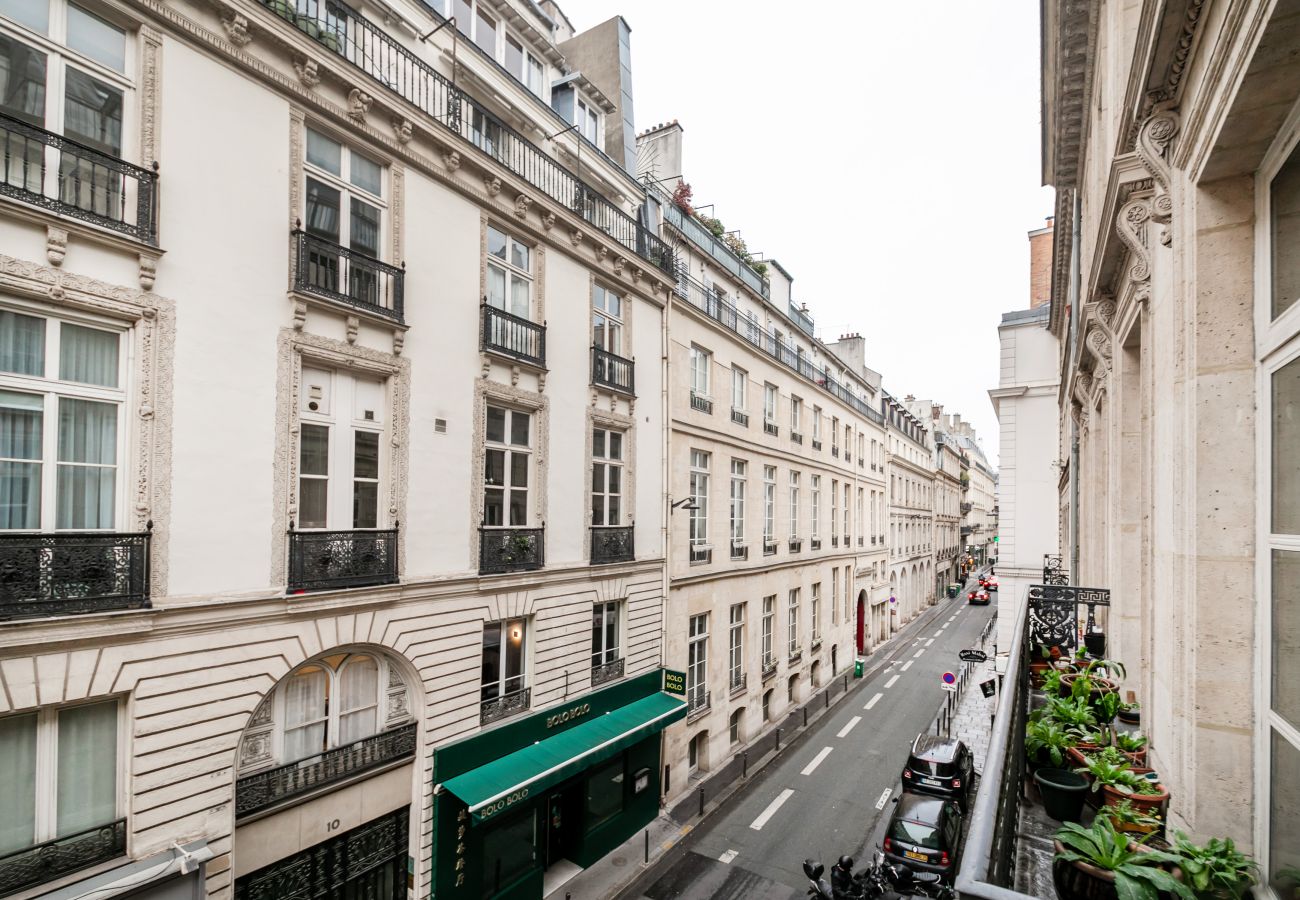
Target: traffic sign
977	656
949	678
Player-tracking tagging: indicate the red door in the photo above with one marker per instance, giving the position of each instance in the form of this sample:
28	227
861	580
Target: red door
862	626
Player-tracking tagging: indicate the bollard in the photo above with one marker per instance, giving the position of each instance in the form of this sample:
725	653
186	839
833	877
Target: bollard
744	764
805	717
778	741
827	695
846	684
701	802
647	846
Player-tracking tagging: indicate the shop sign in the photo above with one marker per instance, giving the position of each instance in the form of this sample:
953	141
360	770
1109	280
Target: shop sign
568	715
501	805
674	683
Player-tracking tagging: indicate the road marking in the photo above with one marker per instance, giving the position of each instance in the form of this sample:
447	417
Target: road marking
929	642
890	682
945	625
872	701
917	654
938	633
909	664
772	807
849	727
728	856
817	761
884	798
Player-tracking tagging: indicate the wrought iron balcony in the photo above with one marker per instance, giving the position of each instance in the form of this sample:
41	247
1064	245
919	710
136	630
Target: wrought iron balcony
1054	571
612	544
502	707
262	790
796	437
815	543
796	545
70	573
42	863
698	701
835	451
604	672
769	547
740	418
739	551
613	371
816	444
331	560
738	682
701	554
769	667
770	428
511	550
966	508
513	336
325	269
72	179
701	404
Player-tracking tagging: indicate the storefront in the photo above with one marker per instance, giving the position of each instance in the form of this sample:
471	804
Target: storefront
556	789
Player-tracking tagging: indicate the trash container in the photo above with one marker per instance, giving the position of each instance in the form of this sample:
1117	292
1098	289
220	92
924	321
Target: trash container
857	668
952	590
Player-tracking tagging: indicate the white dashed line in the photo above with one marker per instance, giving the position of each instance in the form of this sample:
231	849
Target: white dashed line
945	625
929	642
909	665
939	633
772	807
890	682
884	798
917	654
817	761
849	727
872	702
728	856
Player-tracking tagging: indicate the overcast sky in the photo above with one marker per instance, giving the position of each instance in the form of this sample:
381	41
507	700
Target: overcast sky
886	153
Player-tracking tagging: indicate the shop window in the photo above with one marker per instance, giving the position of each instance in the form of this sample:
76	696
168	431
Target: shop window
509	852
605	790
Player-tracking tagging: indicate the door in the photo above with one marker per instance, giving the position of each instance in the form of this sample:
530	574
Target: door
561	824
862	624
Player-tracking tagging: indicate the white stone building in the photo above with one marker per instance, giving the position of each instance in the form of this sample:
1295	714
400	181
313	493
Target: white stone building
911	469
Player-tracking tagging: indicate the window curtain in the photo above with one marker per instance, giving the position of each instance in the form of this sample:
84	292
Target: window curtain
92	113
87	767
87	439
22	82
22	344
322	210
20	439
88	355
304	714
18	782
359	686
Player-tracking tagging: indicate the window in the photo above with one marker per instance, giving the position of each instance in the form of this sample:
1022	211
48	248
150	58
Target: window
835	434
61	400
588	121
604	633
485	31
796	414
509	276
535	77
835	595
607	320
817	424
700	359
845	532
835	490
507	467
792	626
861	494
330	702
767	706
739	383
60	773
697	662
815	602
340	450
504	659
769	504
738	470
733	726
769	621
736	645
699	521
794	505
605	792
344	206
815	504
606	477
769	404
523	65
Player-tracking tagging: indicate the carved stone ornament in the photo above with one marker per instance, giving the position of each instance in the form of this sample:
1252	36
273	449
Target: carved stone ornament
299	315
451	160
399	341
619	263
56	245
1100	344
522	202
1106	311
236	29
1152	143
148	271
548	221
402	129
308	74
1131	225
359	104
354	325
602	251
575	238
492	185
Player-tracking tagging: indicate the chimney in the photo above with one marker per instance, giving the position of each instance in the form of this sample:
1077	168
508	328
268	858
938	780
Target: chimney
603	54
1040	264
659	153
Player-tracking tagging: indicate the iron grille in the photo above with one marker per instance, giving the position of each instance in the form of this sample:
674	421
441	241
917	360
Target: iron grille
612	544
739	551
330	560
604	672
613	371
325	269
740	418
502	707
702	404
45	862
513	336
71	573
511	550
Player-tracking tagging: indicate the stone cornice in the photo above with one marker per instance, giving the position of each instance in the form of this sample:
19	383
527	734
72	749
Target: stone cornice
1167	38
1069	34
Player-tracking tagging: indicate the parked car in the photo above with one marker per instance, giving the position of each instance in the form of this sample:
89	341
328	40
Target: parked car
940	766
924	834
980	595
991	583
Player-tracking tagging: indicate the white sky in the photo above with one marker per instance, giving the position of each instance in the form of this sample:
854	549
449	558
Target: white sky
887	153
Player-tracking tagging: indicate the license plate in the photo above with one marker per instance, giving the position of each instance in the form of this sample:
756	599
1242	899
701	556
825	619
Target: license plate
911	854
933	782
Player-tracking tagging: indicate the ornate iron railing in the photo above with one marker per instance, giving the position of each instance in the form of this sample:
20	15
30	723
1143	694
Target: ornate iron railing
770	427
815	543
612	544
701	555
816	444
701	404
330	560
697	700
69	573
261	790
1054	614
41	863
606	672
1054	570
343	31
769	547
966	508
738	682
502	707
796	545
723	255
71	179
796	437
769	667
511	550
613	371
740	418
513	336
325	269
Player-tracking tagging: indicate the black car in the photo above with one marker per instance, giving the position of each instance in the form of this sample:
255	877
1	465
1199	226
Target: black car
940	766
924	834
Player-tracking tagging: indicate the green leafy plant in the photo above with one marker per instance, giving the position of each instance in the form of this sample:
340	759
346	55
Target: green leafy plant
1216	868
1052	682
1107	706
1099	738
1125	813
1138	875
1114	669
1106	771
1047	735
1112	755
1070	712
1130	742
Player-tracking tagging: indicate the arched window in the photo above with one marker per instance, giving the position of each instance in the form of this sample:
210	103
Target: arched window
328	702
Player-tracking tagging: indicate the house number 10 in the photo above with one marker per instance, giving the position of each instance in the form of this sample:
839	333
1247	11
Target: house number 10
332	826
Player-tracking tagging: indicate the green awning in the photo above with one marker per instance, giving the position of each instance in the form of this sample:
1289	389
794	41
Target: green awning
500	784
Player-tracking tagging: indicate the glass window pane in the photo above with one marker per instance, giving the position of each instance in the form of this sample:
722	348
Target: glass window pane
514	640
496	287
315	450
519	424
491	676
22	341
514	60
496	424
464	17
509	851
598	442
18	781
1286	635
1284	201
304	713
519	304
313	497
534	76
494	507
363	228
85	497
20	425
1286	437
92	114
1284	796
322	210
615	445
615	479
605	793
101	41
494	468
324	152
598	477
519	255
35	14
518	470
518	508
365	504
614	511
358	699
23	97
366	460
496	242
367	174
485	33
87	767
88	355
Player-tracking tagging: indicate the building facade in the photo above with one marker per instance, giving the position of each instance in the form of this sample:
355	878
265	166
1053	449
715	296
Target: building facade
1171	137
911	461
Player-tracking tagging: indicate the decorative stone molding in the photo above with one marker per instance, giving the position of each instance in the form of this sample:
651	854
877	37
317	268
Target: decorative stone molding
299	314
399	341
522	202
602	251
1100	344
297	123
236	29
619	263
492	185
56	245
359	105
1152	143
150	96
1131	225
402	130
1106	311
451	159
575	237
148	270
548	221
353	325
486	391
308	73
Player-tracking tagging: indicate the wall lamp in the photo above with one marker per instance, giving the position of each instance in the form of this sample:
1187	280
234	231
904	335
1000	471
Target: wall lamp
688	504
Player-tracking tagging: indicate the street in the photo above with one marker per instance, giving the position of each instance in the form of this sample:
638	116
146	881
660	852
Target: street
828	795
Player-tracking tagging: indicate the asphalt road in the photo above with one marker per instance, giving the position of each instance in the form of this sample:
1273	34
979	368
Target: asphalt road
830	794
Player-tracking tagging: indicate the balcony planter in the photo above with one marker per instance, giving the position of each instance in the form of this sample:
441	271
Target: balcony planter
1078	873
1130	714
1153	803
1063	793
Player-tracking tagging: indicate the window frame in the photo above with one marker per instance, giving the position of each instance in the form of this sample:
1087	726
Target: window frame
510	450
768	634
736	643
769	504
792	624
700	364
607	608
739	389
525	659
511	272
614	323
814	504
698	521
697	655
606	462
794	504
739	480
340	493
814	602
348	190
771	403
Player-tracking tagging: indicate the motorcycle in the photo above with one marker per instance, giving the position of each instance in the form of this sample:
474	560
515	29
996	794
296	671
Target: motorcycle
818	889
877	880
916	884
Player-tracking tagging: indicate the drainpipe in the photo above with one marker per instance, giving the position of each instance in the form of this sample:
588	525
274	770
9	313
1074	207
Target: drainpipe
1075	277
665	542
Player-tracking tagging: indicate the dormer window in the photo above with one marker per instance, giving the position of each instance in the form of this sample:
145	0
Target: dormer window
588	121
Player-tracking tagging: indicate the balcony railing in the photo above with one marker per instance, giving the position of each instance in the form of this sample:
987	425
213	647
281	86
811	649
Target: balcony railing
712	245
71	179
796	545
502	707
344	32
796	437
701	555
325	269
740	418
511	550
966	508
70	573
612	544
604	672
701	404
42	863
738	682
739	551
613	371
816	444
835	451
815	543
835	540
769	547
513	336
770	428
330	560
769	668
1054	571
262	790
698	701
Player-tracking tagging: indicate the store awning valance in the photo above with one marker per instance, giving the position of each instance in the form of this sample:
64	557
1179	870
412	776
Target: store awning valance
496	786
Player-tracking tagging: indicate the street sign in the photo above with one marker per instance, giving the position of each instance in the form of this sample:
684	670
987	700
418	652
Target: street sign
989	687
973	656
949	678
952	688
893	599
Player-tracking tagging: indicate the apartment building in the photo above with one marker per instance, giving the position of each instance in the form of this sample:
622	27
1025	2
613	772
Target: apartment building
911	461
330	397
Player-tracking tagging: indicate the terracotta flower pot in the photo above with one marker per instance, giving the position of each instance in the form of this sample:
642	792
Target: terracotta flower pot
1138	758
1152	803
1083	881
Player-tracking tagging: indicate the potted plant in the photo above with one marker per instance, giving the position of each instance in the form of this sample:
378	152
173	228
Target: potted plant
1133	745
1131	713
1072	713
1046	742
1130	819
1063	793
1216	869
1050	682
1102	863
1125	784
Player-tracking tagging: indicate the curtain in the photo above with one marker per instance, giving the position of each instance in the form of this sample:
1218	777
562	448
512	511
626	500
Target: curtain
18	782
87	436
304	714
22	344
359	687
364	234
87	767
93	112
322	210
22	81
88	355
21	420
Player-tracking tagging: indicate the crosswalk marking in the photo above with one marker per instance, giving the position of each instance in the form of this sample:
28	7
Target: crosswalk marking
772	807
929	642
917	654
908	665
